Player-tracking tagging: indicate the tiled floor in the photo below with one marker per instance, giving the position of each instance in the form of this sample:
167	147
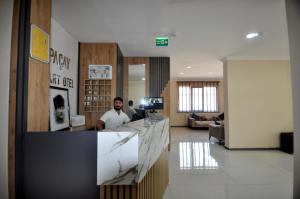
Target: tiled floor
202	169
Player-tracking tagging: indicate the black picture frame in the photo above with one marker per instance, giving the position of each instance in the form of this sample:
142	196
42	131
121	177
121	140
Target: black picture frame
59	106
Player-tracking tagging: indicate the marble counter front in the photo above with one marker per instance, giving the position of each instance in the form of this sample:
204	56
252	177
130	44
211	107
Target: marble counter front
126	153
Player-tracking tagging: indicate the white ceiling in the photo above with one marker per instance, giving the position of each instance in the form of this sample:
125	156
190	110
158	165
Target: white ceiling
202	32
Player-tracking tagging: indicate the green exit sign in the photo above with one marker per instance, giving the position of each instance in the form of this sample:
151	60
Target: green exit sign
162	41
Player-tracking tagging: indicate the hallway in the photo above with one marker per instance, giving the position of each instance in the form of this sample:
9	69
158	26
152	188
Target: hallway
200	169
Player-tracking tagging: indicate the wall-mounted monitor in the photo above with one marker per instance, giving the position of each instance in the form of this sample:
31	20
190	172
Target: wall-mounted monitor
153	103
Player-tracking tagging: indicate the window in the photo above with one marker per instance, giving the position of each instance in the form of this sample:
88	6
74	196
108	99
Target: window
198	96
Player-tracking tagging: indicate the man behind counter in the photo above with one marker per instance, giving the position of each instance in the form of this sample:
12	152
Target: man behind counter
114	117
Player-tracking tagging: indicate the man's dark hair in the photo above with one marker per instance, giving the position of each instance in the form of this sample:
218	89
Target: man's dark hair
59	102
119	99
130	102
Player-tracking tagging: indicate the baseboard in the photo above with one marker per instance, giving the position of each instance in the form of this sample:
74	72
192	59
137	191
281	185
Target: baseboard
251	149
193	128
198	128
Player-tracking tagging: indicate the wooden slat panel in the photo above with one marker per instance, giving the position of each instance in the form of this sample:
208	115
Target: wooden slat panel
107	192
151	183
102	192
121	192
138	191
160	74
115	191
127	192
38	74
148	190
155	182
134	192
147	75
144	188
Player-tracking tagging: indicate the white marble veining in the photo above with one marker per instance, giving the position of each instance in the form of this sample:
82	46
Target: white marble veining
126	153
117	156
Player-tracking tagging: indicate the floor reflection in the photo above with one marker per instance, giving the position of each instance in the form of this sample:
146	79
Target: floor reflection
196	155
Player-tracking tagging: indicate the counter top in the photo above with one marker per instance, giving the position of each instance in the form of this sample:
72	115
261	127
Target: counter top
126	153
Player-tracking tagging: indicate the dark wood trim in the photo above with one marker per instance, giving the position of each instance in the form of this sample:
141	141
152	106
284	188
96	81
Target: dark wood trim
125	83
78	78
251	149
12	98
21	93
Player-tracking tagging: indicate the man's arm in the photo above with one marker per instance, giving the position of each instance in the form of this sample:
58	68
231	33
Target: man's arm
101	122
126	119
100	125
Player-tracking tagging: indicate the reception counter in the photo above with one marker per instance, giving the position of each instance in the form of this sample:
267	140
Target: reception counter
132	160
128	162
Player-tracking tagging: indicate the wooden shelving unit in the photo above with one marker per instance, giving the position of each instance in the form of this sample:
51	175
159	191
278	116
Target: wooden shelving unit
97	95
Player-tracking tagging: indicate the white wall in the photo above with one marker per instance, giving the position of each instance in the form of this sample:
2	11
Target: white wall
293	17
6	12
65	44
259	103
136	91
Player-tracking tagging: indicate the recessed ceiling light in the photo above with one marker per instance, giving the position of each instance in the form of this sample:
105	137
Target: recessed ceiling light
252	35
210	73
143	79
181	73
188	67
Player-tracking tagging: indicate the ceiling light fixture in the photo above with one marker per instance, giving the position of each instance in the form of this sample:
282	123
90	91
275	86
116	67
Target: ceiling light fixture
181	73
253	35
143	79
188	67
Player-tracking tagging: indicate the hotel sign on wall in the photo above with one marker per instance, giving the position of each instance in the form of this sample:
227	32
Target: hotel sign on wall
39	44
60	66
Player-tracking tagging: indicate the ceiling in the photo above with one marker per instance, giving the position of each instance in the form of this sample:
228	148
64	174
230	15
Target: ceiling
201	32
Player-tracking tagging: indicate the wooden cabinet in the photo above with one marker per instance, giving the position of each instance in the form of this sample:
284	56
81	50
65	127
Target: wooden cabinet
97	99
97	95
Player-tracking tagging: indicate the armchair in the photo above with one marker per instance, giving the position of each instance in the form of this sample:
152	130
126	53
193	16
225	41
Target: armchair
217	131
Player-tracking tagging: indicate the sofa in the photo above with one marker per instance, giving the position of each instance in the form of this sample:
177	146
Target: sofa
197	121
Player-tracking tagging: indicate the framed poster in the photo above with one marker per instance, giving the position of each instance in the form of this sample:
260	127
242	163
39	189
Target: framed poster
59	108
100	71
